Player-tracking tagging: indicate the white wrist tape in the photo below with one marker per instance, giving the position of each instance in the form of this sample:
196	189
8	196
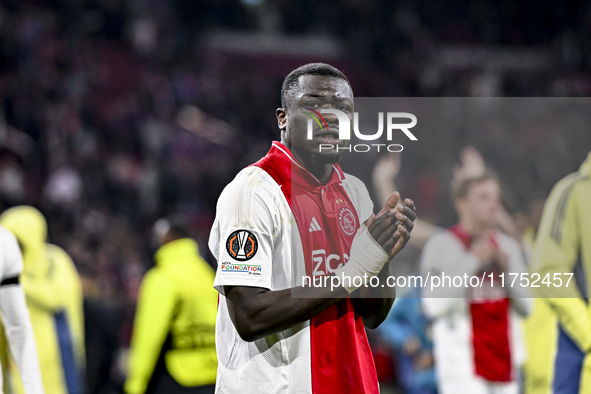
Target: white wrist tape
366	260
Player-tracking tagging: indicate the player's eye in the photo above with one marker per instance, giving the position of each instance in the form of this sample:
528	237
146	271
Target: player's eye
311	104
344	108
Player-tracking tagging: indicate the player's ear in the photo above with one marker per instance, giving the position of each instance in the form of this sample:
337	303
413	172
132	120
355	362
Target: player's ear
281	115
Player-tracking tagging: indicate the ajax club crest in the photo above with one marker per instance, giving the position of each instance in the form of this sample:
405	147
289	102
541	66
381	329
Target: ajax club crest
348	221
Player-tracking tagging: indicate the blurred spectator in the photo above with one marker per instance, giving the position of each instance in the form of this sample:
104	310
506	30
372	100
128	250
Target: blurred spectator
12	179
54	297
173	343
407	330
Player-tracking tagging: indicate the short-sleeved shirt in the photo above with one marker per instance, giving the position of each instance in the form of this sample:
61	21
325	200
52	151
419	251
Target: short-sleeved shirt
11	262
276	224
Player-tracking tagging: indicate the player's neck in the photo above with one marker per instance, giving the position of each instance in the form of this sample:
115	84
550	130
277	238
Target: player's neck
321	171
472	227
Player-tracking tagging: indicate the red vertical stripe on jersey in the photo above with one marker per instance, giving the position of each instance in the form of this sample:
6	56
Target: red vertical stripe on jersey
490	338
341	358
490	328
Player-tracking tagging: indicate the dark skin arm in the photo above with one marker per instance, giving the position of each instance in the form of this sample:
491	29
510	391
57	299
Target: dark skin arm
257	312
374	303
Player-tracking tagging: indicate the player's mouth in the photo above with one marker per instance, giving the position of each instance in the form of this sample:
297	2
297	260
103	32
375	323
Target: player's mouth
328	137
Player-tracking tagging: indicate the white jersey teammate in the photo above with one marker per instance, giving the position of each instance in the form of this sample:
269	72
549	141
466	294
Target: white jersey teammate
15	315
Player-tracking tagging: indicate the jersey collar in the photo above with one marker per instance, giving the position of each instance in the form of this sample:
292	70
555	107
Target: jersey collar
298	173
466	238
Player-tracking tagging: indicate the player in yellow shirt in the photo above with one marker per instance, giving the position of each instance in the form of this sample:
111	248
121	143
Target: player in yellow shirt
53	294
563	246
541	326
173	342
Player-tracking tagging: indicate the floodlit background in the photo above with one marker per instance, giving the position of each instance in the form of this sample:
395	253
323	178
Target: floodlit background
115	113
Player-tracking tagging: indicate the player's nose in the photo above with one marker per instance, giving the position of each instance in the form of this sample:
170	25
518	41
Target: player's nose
330	117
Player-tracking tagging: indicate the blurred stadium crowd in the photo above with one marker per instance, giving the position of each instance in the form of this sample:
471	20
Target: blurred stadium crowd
115	113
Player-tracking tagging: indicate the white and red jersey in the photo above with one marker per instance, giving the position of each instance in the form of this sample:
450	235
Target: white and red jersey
477	336
15	316
275	224
11	262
